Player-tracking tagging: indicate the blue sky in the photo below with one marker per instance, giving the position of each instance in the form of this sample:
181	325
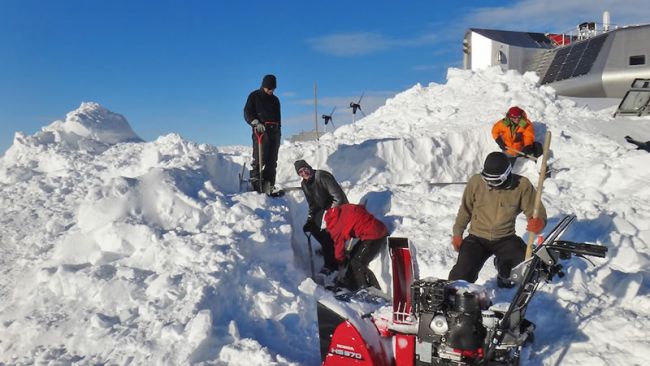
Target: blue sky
188	66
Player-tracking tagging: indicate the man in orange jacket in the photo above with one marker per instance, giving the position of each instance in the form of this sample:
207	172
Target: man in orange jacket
349	221
515	133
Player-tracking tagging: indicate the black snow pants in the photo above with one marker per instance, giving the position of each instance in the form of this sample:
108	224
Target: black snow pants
325	241
358	274
509	252
271	140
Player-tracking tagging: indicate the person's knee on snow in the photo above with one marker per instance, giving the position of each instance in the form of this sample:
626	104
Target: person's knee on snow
471	257
360	257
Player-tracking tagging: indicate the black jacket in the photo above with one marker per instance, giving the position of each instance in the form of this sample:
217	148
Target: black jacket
263	107
322	191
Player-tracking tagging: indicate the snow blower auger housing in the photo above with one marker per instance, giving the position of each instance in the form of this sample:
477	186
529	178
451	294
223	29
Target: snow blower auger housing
441	322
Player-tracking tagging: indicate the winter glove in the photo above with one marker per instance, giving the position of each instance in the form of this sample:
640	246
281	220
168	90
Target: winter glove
310	227
535	225
259	128
528	150
456	241
500	142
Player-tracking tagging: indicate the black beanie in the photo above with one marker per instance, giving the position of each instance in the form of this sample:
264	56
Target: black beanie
269	82
301	164
496	163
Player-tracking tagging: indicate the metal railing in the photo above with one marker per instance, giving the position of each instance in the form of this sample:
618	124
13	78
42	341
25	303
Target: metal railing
583	31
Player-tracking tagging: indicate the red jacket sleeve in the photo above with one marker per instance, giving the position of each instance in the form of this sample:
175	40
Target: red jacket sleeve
336	228
339	251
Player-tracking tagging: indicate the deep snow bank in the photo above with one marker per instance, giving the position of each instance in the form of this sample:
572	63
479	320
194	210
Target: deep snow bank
137	253
144	252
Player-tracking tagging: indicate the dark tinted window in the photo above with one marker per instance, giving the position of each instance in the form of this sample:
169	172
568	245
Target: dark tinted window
637	60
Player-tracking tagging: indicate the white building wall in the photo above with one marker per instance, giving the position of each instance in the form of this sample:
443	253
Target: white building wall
481	51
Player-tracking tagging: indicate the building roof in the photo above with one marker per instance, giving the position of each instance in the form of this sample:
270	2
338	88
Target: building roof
520	39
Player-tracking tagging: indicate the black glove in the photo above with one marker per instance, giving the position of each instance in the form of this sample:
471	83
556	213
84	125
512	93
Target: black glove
500	142
528	149
309	227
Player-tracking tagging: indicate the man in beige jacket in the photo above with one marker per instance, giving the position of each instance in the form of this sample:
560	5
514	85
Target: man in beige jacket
490	204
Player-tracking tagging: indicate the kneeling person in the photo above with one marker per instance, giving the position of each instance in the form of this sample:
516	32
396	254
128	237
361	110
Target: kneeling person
350	221
491	202
515	134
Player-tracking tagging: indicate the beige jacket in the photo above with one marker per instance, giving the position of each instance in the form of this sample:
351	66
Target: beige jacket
492	212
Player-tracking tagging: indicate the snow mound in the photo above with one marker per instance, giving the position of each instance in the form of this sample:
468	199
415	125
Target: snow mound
139	253
92	121
91	127
119	251
442	133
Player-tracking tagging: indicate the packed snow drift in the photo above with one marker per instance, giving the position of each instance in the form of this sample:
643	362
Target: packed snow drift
114	250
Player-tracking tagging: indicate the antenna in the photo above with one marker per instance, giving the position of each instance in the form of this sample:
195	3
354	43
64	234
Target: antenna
356	106
316	110
328	118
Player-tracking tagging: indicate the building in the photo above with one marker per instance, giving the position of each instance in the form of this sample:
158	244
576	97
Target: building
590	62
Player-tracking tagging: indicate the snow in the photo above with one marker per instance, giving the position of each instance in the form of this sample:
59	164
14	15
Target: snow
114	250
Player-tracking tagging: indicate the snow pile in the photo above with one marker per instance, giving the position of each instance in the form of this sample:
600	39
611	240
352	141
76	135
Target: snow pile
126	252
88	127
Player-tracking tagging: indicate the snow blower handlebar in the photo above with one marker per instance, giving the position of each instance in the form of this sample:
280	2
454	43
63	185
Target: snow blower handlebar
566	248
543	266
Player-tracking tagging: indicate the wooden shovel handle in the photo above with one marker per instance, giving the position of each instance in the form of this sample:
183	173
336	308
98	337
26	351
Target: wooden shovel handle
538	194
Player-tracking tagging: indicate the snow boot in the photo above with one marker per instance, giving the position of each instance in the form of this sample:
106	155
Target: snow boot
503	282
276	192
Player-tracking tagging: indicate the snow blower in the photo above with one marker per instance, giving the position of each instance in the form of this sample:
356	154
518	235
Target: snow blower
441	322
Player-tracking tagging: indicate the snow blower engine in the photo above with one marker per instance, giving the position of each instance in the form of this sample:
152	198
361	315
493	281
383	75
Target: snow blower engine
449	320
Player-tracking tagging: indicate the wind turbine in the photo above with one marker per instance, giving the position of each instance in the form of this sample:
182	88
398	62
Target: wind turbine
328	117
356	106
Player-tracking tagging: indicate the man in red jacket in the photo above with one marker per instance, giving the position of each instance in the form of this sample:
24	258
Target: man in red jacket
349	221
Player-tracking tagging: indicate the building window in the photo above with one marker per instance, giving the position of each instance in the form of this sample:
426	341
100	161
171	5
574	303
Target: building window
637	60
502	58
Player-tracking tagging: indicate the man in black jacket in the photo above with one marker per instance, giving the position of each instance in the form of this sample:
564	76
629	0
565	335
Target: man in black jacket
322	192
262	113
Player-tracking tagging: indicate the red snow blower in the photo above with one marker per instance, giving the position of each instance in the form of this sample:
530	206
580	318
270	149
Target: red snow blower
441	322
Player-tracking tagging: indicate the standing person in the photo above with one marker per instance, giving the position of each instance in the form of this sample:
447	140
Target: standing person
322	192
262	113
515	133
491	202
349	221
